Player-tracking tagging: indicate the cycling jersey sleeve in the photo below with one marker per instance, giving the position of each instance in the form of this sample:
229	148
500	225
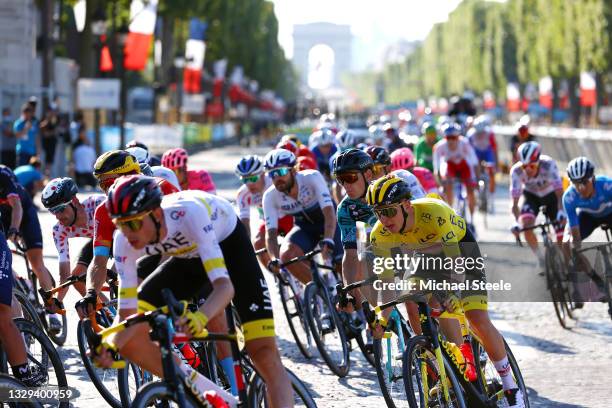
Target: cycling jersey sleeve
203	234
470	154
7	181
244	205
166	186
61	243
569	205
125	262
270	210
516	186
348	226
103	231
437	158
323	196
556	182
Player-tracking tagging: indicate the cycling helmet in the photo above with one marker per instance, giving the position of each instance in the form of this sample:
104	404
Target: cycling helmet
249	165
135	143
580	169
482	124
345	139
141	155
58	191
351	160
387	190
288	145
322	137
376	132
305	163
292	137
118	162
279	158
145	169
166	174
402	159
362	146
133	195
379	155
175	158
529	152
428	127
451	129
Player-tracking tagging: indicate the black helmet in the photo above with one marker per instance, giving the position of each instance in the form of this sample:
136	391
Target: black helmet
352	160
132	195
117	162
58	191
379	155
388	190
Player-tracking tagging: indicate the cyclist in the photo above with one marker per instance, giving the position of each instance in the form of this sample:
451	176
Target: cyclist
202	236
429	226
522	136
588	205
20	221
75	218
304	195
12	341
323	149
302	149
535	181
152	160
382	167
142	157
250	170
176	160
423	150
377	134
482	138
345	139
403	159
108	168
454	158
394	142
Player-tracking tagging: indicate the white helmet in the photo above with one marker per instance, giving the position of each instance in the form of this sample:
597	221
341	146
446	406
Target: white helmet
482	124
322	137
529	152
249	165
279	158
580	168
141	155
376	131
345	139
166	174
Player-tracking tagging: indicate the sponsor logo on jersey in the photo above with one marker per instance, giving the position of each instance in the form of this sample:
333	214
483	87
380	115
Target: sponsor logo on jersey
176	214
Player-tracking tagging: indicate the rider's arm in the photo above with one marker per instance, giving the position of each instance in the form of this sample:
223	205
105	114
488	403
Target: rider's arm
103	236
272	242
330	221
60	239
96	274
16	210
325	203
271	219
125	262
516	188
244	209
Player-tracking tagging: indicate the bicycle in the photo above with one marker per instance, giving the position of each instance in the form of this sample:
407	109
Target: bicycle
11	384
485	203
42	356
605	250
172	388
29	286
556	272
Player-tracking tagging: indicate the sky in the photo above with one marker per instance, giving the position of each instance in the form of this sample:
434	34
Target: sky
374	23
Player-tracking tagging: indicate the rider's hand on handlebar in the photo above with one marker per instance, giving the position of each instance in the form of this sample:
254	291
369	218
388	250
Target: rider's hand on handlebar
274	266
13	235
194	323
561	216
515	228
54	305
87	304
327	246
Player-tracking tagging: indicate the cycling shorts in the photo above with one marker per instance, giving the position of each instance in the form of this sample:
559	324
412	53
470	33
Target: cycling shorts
86	253
284	226
462	171
307	236
487	155
587	224
29	228
530	204
6	272
187	279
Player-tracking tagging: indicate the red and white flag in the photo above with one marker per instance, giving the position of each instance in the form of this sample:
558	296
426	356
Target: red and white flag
545	89
142	27
513	97
588	95
194	56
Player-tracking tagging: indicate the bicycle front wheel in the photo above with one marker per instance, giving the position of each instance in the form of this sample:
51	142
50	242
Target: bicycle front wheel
294	312
257	395
8	384
158	393
558	285
326	329
423	380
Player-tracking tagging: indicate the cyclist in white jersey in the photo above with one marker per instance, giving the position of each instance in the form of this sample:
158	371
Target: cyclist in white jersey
201	235
74	219
535	181
383	166
250	170
304	195
166	174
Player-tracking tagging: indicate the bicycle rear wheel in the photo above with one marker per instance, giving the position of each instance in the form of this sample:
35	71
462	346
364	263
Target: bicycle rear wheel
294	312
257	395
388	364
28	310
159	394
558	285
421	373
60	337
326	329
7	384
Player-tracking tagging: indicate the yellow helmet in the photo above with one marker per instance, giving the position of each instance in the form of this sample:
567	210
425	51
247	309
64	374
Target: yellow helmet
117	162
387	190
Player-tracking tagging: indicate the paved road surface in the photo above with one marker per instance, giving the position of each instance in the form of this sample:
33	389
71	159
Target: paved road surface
562	368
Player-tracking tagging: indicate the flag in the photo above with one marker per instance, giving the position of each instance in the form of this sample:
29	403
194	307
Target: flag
513	97
142	26
488	100
194	56
545	88
106	61
588	96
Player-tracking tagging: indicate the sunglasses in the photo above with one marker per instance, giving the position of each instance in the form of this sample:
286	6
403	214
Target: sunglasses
347	178
532	166
386	212
107	183
58	208
452	137
133	223
250	179
283	171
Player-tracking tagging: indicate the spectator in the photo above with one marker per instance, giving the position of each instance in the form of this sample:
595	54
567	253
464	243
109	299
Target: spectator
84	157
29	176
9	142
75	126
26	129
48	133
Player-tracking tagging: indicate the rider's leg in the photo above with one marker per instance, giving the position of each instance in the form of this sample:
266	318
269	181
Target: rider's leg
491	171
471	199
10	337
447	189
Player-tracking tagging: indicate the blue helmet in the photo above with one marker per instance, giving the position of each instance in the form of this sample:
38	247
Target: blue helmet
249	165
279	158
451	129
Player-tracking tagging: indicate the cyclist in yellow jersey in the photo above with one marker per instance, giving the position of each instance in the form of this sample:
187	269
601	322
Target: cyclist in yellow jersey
429	226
